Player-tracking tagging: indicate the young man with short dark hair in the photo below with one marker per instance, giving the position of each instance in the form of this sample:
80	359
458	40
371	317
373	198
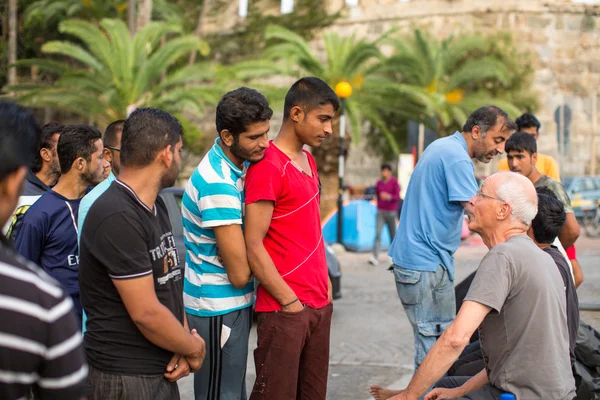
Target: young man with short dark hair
137	342
40	340
547	165
286	251
521	151
219	290
48	234
544	229
44	172
387	190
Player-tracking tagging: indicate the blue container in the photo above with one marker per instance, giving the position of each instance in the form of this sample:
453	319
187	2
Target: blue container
507	396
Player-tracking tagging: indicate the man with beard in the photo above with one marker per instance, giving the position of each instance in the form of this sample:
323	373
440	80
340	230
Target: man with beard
44	172
48	234
430	224
137	341
219	291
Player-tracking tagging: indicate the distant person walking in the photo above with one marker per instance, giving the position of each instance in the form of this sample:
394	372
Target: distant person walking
431	221
388	196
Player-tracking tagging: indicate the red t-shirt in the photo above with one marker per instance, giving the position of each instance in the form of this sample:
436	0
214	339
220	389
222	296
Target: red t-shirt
294	239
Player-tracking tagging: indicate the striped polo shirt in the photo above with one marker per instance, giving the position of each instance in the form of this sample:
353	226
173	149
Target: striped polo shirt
213	196
40	340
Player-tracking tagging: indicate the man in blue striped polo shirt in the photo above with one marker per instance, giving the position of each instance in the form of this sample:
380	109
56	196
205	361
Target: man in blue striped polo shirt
218	286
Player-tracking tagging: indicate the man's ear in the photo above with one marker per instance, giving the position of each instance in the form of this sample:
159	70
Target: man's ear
11	185
46	154
227	137
166	156
476	132
297	114
80	164
534	158
503	212
107	155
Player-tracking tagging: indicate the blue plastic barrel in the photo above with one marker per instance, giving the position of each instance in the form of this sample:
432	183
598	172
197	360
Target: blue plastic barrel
507	396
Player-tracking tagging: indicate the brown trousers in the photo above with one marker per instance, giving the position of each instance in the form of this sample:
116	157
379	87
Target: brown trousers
292	357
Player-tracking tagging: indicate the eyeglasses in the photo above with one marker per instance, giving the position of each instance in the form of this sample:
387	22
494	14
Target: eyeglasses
481	194
112	148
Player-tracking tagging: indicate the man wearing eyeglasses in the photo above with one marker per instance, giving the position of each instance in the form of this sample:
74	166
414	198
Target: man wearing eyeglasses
112	149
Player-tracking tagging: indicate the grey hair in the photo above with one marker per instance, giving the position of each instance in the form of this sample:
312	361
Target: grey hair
511	191
487	117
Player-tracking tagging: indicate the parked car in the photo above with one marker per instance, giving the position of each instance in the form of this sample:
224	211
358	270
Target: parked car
173	197
584	192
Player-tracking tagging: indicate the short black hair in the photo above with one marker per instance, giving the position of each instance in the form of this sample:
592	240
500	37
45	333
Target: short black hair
240	108
550	218
486	117
20	136
110	134
76	141
386	166
521	141
528	120
309	93
146	132
48	130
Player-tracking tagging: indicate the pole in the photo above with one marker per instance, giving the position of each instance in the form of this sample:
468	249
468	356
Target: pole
421	138
131	16
561	127
594	128
340	201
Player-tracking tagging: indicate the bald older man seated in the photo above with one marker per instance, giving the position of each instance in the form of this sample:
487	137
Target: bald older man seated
519	303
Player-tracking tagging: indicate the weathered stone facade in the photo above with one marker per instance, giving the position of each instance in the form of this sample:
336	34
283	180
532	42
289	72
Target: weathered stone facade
564	37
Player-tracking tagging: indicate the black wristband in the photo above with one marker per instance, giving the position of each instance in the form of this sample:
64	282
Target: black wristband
290	303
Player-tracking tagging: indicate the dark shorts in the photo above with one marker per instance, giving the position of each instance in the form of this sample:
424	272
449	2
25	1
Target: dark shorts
104	385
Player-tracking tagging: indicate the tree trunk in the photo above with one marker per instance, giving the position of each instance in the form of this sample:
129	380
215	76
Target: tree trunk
198	30
144	14
131	16
12	41
326	157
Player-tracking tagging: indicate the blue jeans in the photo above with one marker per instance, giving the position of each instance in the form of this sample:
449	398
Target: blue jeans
429	302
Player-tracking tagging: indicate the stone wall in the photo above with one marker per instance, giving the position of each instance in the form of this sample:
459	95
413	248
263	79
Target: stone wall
564	37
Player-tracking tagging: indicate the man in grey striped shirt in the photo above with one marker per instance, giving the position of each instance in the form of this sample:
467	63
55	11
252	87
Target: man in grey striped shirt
40	341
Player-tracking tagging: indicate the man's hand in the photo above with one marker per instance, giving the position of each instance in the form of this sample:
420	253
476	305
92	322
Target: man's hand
444	393
293	308
195	359
177	368
405	395
329	290
385	196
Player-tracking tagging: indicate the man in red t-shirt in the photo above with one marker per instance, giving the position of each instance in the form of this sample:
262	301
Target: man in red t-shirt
286	251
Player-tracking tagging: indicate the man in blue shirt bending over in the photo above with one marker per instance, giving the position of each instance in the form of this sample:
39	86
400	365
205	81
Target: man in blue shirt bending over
430	224
48	235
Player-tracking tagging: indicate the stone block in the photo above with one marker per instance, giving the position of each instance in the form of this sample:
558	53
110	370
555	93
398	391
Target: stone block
538	22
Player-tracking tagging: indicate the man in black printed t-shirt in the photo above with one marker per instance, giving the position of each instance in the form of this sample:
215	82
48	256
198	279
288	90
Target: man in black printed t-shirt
137	342
40	339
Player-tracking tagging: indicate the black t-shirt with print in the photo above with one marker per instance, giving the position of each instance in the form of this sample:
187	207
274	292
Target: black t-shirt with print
123	239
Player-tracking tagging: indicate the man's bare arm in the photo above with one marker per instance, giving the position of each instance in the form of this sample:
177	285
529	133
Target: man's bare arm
258	219
570	231
447	348
232	249
154	320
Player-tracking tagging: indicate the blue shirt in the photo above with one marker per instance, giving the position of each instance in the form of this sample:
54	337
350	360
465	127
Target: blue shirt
48	237
89	199
84	206
213	197
432	216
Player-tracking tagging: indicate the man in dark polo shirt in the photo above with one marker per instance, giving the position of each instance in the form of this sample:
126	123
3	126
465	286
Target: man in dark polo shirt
137	341
40	341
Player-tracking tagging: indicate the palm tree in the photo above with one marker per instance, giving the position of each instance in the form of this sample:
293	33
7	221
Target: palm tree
457	74
346	59
109	72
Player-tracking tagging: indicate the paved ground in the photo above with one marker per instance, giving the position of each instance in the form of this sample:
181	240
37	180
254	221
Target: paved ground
371	339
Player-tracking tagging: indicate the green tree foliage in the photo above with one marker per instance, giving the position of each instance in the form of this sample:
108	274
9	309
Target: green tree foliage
104	71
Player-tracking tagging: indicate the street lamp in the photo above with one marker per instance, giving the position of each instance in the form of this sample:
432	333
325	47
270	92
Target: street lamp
343	90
